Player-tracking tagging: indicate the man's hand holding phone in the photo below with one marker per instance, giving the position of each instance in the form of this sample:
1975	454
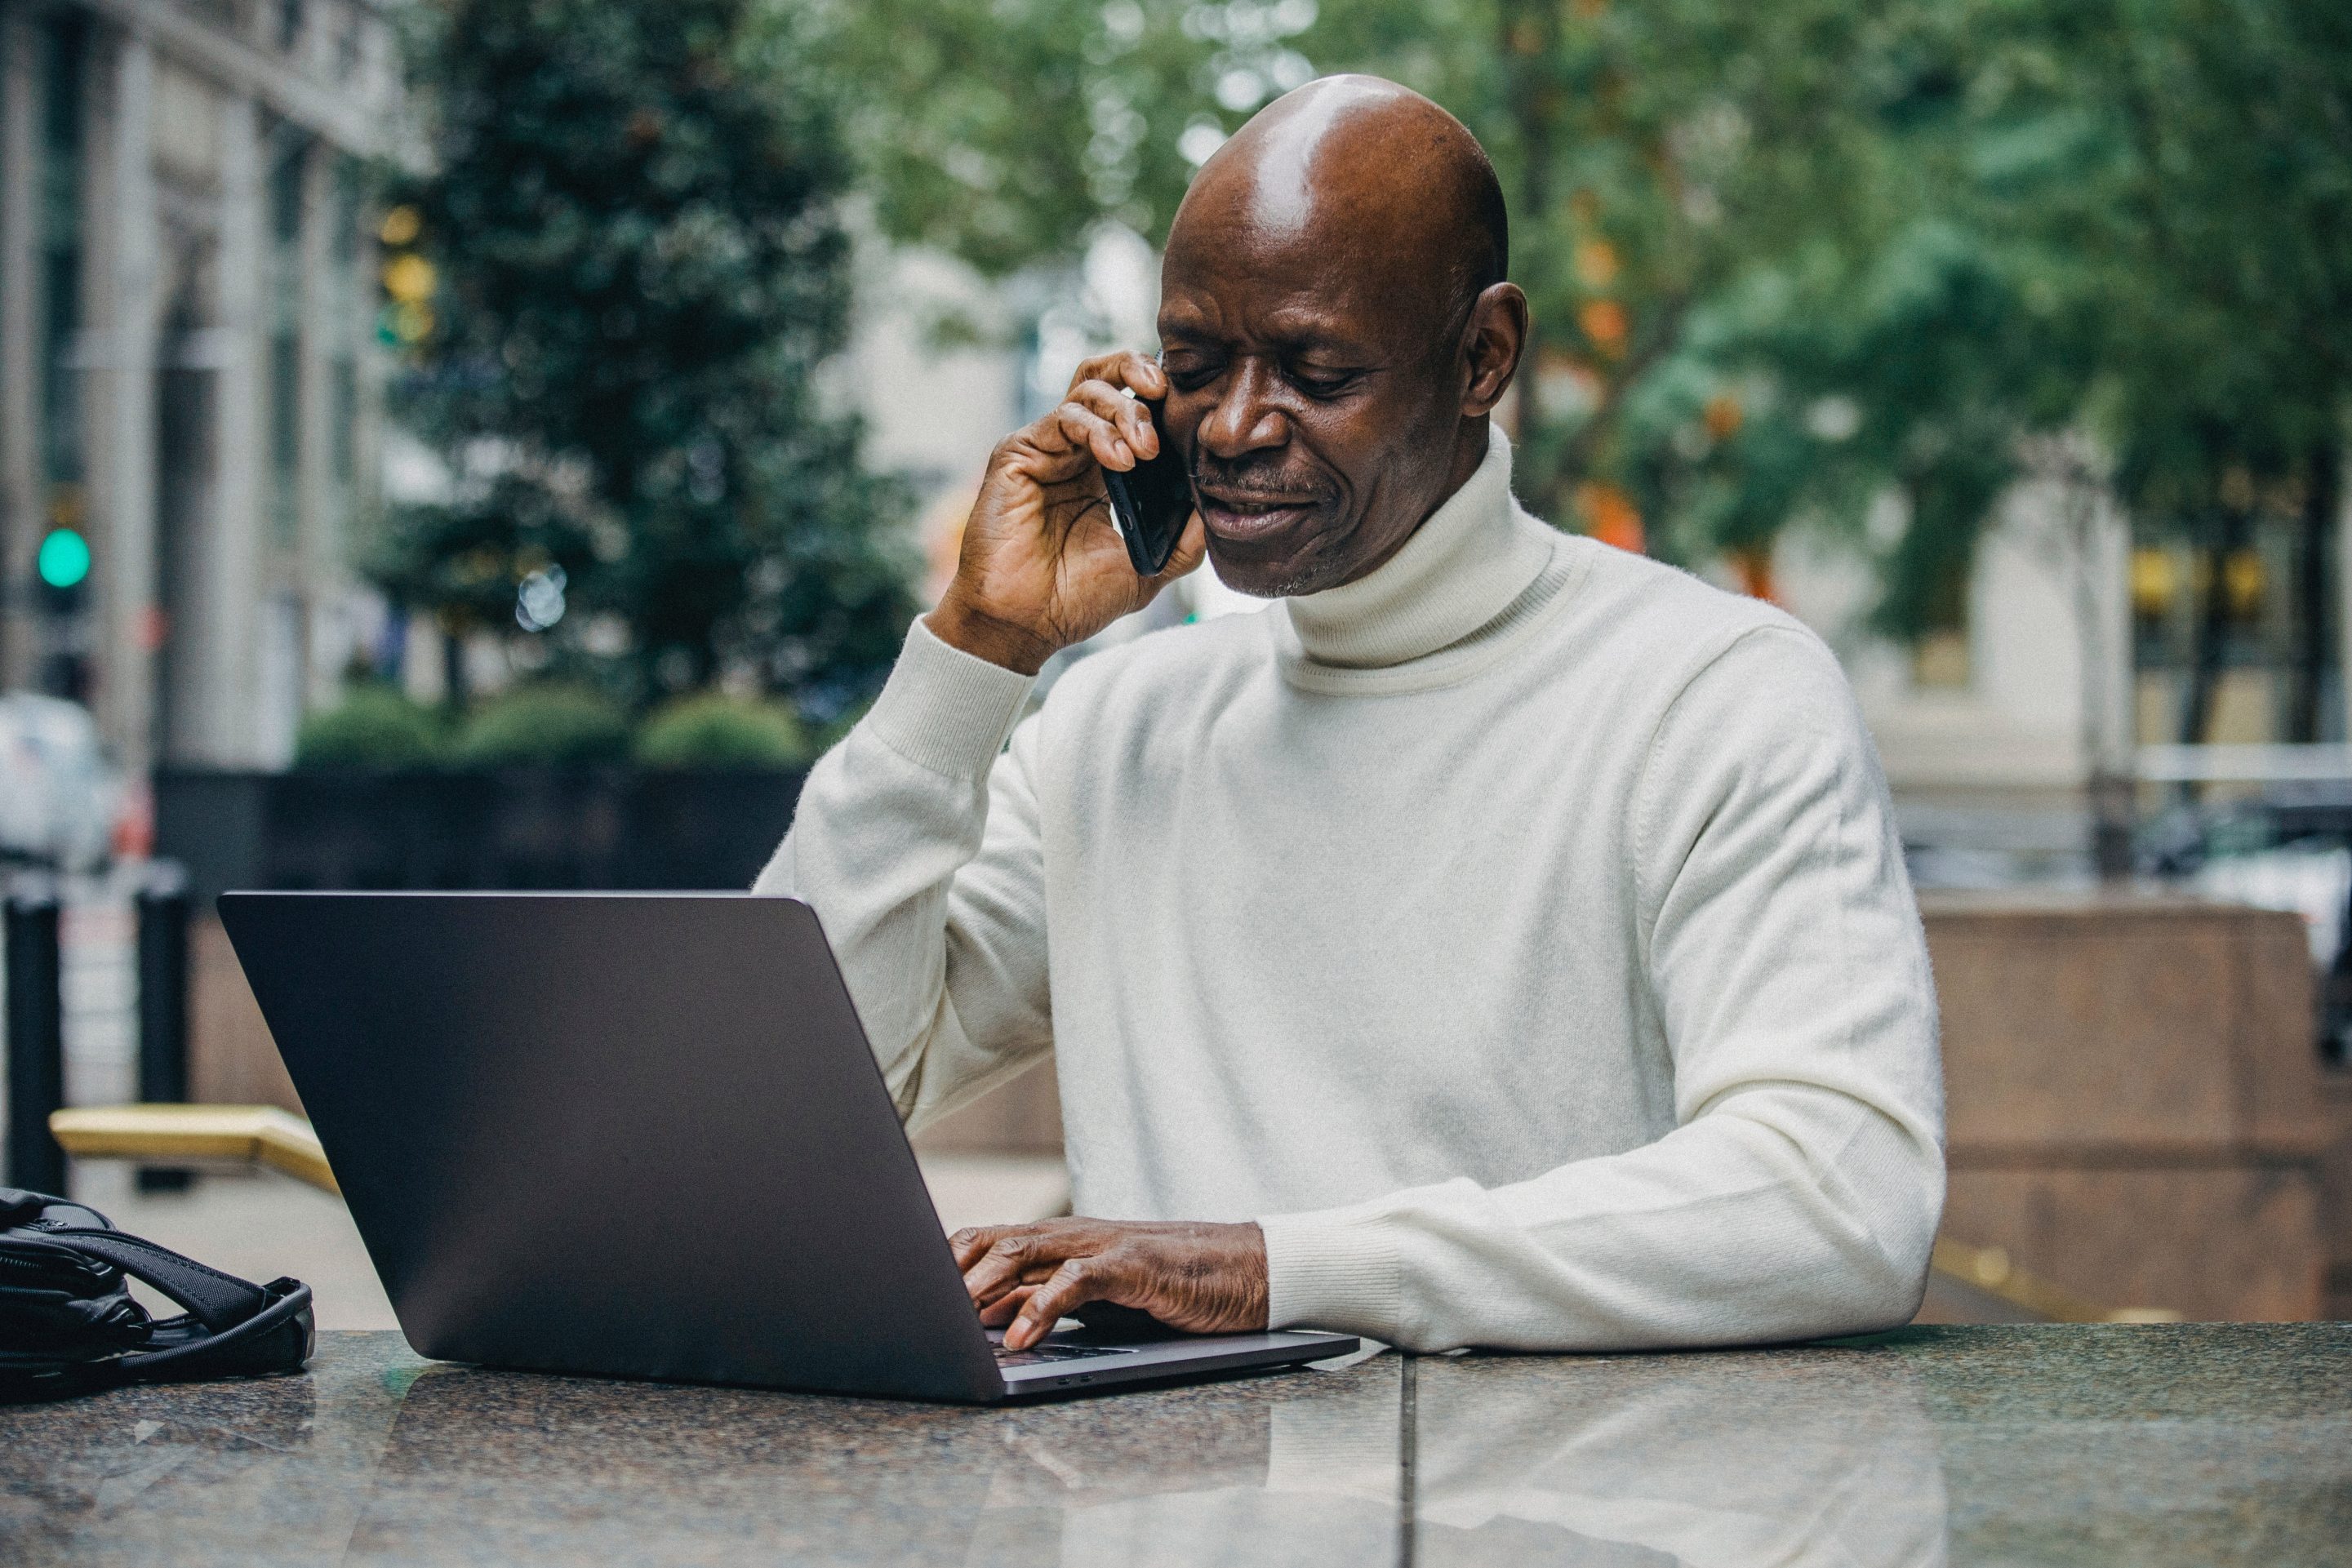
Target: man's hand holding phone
1042	566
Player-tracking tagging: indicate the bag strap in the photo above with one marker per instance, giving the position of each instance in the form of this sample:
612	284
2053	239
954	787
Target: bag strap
233	1327
219	1301
277	1338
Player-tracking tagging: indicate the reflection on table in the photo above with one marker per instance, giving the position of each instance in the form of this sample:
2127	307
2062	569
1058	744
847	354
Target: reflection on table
2195	1445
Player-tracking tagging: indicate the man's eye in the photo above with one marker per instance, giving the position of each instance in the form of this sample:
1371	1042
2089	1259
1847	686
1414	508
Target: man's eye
1320	383
1188	376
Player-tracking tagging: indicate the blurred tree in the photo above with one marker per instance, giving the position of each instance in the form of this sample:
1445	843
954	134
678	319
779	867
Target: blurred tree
1745	305
1787	262
619	275
1003	130
2218	234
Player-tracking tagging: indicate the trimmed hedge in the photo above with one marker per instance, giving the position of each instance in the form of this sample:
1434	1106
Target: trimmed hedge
544	724
372	726
712	729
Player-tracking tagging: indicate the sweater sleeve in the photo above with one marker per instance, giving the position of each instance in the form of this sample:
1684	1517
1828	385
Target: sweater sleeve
1799	1193
917	845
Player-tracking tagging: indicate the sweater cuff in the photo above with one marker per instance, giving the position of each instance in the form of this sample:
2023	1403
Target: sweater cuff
1334	1268
946	710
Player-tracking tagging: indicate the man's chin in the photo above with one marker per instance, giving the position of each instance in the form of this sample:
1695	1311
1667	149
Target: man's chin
1258	580
1269	564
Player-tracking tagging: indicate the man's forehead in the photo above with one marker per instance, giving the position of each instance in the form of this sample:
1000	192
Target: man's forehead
1330	283
1237	301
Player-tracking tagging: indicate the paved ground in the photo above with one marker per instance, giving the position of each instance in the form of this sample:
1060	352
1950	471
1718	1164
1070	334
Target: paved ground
260	1225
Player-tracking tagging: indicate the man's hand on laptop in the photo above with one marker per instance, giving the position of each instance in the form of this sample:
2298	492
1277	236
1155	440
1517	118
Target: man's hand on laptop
1042	566
1194	1276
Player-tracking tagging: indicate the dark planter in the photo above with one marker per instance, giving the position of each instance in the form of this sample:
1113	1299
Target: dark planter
505	828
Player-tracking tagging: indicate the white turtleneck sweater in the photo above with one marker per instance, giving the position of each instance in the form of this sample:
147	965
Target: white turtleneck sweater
1518	934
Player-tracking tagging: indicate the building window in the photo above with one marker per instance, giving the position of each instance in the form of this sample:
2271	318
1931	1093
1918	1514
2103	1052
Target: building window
64	68
2225	640
1940	658
347	315
284	304
1939	662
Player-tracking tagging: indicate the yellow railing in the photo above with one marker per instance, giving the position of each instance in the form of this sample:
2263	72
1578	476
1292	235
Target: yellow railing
1990	1269
257	1134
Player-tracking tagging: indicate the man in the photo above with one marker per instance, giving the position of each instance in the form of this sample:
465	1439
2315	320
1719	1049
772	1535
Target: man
1501	942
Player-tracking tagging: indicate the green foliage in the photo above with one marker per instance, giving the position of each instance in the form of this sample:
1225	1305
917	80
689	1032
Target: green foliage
712	729
372	726
2230	128
631	215
1004	129
1774	280
1785	260
556	725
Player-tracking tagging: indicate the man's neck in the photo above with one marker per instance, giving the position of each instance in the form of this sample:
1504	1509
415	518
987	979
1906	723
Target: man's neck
1466	564
1469	450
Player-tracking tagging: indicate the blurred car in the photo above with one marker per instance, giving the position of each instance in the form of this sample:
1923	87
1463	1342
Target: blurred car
2287	846
57	795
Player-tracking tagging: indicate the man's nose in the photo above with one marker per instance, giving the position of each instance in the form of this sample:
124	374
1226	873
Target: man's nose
1245	418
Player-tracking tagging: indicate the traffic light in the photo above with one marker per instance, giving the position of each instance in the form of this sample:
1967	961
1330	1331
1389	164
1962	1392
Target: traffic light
63	566
61	585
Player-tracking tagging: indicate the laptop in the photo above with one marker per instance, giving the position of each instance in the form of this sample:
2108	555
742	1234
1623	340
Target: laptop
643	1135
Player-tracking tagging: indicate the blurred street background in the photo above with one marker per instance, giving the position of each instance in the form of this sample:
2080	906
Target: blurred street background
499	443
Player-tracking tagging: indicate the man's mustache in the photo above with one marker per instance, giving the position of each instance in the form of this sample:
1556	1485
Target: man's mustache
1253	485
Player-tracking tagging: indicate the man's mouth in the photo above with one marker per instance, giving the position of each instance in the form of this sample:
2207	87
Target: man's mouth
1242	515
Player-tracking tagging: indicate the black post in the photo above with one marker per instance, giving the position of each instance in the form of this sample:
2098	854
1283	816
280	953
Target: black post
36	1035
163	904
164	907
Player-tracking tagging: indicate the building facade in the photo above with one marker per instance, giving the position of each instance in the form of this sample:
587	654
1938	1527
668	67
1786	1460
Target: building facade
188	381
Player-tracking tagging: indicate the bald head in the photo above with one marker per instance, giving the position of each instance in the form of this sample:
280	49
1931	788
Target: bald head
1361	153
1335	327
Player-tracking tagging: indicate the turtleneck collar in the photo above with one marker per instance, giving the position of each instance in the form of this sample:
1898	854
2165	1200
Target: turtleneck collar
1462	569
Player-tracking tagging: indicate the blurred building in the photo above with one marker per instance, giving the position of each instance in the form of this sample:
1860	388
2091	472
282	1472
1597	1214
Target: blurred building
187	400
1991	730
2082	636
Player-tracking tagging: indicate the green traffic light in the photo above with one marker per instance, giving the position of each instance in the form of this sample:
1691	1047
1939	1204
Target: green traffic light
64	560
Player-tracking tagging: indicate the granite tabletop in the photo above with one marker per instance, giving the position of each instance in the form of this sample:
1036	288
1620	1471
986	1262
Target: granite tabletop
2199	1443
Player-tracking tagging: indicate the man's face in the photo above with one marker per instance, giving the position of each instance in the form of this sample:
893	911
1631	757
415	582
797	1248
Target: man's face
1315	393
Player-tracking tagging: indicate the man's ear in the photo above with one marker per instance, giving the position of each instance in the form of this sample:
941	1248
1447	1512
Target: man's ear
1495	336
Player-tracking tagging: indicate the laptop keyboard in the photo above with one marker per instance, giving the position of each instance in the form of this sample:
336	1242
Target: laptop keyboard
1038	1355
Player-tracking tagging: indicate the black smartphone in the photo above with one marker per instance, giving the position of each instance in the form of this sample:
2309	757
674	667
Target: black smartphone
1151	501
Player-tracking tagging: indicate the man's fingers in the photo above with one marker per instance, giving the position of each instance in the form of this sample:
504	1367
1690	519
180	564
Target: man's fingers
1130	418
972	1242
1139	372
1007	1307
1021	1255
1005	1267
1000	1269
1078	1280
1082	427
1202	1278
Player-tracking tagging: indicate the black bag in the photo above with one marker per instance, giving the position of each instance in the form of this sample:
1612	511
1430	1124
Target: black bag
69	1323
